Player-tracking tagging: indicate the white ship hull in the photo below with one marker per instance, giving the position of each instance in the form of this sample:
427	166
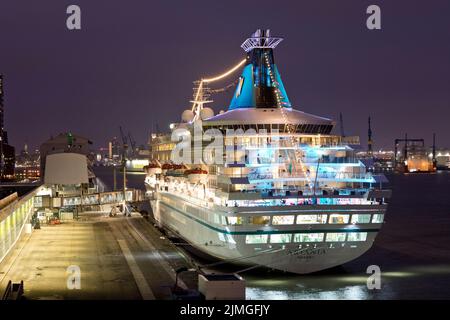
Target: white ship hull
291	257
282	190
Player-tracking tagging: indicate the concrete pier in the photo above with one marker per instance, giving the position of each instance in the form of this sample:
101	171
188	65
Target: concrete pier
118	257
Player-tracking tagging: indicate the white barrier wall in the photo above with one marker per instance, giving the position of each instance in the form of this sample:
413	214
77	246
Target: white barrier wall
13	217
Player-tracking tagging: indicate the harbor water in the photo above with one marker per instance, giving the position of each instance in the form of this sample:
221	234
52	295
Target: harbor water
412	249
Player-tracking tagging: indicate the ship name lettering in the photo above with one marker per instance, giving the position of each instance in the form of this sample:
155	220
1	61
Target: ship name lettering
302	253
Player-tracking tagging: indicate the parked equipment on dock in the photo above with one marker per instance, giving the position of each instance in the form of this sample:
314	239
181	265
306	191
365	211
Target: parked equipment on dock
414	157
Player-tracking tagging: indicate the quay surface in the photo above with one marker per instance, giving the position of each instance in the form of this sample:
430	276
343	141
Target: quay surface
119	258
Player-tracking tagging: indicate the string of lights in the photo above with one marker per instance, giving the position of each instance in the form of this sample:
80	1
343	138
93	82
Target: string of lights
202	91
226	73
278	96
223	89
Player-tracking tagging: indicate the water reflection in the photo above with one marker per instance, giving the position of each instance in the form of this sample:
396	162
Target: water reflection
412	251
307	287
406	283
347	293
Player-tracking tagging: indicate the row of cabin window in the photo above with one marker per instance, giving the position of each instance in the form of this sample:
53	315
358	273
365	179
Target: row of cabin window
306	237
334	218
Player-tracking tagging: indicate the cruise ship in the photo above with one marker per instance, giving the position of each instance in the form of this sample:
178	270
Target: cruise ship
263	184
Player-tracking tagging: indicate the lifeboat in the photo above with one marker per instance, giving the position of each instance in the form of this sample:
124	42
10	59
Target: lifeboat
197	175
175	170
165	167
152	168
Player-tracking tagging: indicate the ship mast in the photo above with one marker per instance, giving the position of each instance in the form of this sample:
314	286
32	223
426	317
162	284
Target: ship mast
202	93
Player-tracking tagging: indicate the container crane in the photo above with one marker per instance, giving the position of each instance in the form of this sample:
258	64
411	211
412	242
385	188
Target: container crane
124	161
133	145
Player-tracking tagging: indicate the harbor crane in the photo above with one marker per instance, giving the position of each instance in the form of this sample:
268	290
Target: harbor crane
124	161
341	124
132	144
124	143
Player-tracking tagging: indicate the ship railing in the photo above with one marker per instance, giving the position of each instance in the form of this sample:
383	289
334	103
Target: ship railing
300	174
257	160
334	160
277	202
305	192
368	177
308	161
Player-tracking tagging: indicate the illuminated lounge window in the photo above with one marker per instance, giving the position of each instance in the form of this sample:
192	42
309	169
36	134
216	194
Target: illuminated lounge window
235	220
221	237
361	218
280	238
230	239
311	218
308	237
264	220
280	220
335	237
378	218
337	218
224	220
357	236
256	238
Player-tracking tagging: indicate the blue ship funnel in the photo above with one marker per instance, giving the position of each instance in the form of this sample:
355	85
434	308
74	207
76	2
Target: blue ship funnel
260	84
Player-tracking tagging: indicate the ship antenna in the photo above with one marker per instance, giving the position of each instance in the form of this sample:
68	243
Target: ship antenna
369	139
434	151
341	123
202	92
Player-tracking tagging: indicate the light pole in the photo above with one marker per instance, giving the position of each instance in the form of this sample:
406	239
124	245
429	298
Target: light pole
115	178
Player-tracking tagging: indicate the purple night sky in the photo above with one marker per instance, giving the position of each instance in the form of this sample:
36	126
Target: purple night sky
133	64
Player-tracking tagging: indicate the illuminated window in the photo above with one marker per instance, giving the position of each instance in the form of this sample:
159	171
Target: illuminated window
337	218
280	220
378	218
311	218
336	237
235	220
361	218
308	237
256	238
260	220
240	85
230	239
280	238
221	237
357	236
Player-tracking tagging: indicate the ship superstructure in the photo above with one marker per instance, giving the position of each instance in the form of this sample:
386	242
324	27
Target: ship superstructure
263	183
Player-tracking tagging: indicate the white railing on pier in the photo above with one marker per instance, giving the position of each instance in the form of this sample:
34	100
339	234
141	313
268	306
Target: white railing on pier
13	218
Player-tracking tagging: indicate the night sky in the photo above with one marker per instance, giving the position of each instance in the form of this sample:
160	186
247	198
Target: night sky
133	64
